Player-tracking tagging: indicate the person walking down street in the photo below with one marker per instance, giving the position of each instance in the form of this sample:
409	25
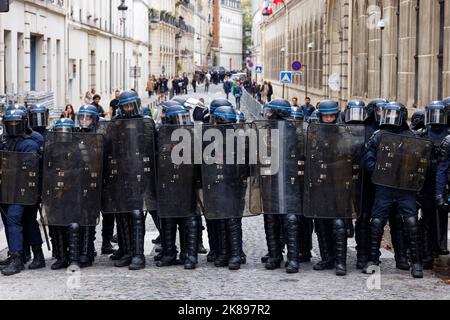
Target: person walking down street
238	94
308	108
114	104
269	92
96	103
207	79
185	84
194	84
265	92
150	86
227	87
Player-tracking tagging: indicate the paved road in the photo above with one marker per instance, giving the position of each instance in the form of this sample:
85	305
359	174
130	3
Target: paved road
103	281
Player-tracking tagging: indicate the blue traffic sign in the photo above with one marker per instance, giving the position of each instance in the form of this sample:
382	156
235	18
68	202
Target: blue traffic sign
258	69
286	77
296	65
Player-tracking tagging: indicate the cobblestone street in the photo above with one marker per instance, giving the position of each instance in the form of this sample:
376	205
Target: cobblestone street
103	281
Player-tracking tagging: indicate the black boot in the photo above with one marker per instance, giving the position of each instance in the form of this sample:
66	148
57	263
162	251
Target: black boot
362	237
340	238
399	241
272	227
119	253
427	253
376	235
38	258
442	232
138	224
26	254
124	220
305	239
15	266
412	228
291	228
107	247
182	236
324	238
157	222
191	243
234	232
74	231
5	262
211	226
168	238
201	248
223	249
87	247
60	248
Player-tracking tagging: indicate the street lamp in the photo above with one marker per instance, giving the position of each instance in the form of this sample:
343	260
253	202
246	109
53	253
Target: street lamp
381	26
123	9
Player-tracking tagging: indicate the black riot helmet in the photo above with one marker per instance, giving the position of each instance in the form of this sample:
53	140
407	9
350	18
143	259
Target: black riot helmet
227	115
219	103
176	115
129	104
64	125
394	114
88	118
15	122
435	114
277	110
356	112
374	108
328	108
38	117
166	105
418	120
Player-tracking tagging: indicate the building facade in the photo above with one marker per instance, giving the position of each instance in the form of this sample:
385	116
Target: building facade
399	50
32	48
230	35
163	30
203	34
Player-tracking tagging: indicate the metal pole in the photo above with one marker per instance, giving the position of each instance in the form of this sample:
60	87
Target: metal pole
306	81
283	90
124	59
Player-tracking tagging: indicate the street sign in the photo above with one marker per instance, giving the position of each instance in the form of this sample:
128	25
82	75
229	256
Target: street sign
259	69
297	73
296	65
286	77
135	72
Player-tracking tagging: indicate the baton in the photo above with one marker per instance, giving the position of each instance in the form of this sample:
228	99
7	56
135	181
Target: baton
43	227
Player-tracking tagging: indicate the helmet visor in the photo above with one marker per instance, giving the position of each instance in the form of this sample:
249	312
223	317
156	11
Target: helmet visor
14	128
391	117
38	119
355	114
85	121
435	116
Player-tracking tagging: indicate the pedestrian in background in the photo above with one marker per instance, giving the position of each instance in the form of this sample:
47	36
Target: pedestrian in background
150	86
114	104
96	103
194	84
265	92
270	92
227	87
207	83
69	113
238	94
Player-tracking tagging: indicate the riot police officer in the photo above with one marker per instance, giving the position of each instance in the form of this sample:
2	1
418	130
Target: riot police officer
88	119
393	121
17	140
435	130
130	225
286	223
186	218
60	234
331	233
228	232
